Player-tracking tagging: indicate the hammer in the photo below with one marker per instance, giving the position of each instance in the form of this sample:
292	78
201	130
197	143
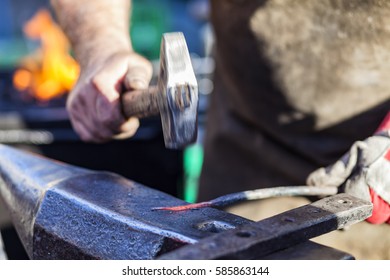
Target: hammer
175	97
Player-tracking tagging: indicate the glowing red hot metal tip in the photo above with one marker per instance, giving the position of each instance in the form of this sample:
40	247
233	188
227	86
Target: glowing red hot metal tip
185	207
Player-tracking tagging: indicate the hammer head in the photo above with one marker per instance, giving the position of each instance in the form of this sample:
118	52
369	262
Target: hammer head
178	92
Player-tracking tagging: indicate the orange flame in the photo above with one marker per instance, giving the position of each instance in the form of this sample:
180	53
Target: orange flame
51	71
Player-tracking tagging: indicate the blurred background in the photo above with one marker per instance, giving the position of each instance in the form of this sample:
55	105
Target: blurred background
37	71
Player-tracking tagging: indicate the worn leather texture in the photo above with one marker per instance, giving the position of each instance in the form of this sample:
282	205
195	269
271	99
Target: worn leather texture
296	84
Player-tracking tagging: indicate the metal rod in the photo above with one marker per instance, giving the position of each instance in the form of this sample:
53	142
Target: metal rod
230	199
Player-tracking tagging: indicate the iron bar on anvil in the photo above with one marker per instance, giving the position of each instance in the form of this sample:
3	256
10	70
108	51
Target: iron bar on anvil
65	212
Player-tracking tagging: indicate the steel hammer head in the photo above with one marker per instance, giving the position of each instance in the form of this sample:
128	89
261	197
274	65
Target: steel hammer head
177	92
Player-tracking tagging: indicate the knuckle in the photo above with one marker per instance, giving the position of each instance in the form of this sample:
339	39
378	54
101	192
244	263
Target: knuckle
97	82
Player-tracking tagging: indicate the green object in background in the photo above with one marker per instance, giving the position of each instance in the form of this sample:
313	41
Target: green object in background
149	20
11	51
192	160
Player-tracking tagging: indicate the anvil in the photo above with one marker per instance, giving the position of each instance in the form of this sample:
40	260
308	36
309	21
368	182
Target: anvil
62	211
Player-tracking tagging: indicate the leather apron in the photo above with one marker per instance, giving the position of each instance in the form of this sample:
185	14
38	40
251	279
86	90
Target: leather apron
296	83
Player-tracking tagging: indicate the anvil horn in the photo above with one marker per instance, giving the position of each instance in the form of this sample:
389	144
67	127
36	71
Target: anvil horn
24	180
64	212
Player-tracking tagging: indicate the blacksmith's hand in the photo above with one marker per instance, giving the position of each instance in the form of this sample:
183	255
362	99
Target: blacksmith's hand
94	104
363	172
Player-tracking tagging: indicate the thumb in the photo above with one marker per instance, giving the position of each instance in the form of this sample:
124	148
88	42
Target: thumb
138	77
331	176
336	174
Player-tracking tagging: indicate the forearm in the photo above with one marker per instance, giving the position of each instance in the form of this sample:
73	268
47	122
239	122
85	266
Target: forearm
96	29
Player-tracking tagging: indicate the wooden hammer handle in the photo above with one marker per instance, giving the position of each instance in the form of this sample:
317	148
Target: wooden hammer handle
140	103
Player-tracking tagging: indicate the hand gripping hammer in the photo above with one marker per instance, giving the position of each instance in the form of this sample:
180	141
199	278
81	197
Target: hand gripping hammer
175	97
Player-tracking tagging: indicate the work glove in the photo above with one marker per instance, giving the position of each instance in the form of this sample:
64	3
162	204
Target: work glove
364	172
